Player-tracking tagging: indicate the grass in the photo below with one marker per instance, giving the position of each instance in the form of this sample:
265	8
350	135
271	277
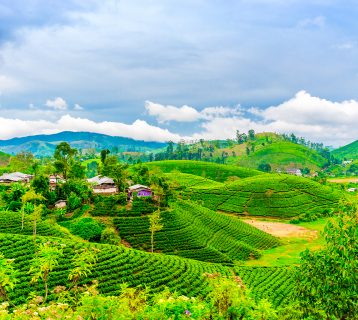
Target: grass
289	252
349	151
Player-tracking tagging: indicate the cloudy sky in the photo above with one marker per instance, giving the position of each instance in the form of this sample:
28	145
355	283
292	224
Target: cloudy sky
163	69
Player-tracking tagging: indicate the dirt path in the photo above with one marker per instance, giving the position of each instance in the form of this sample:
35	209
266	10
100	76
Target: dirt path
280	229
343	180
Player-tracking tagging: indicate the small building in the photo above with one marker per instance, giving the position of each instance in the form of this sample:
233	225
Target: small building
140	191
61	204
294	171
347	162
352	189
8	178
54	180
103	185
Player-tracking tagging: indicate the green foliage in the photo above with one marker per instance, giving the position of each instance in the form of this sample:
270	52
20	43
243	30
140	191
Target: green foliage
327	280
8	276
195	232
115	170
64	155
109	235
154	225
86	228
44	262
77	171
265	167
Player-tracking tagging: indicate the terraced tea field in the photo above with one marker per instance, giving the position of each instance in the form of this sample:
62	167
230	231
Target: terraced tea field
195	232
271	195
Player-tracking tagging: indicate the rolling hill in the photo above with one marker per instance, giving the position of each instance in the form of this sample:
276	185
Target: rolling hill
270	195
349	152
213	171
44	145
283	154
195	232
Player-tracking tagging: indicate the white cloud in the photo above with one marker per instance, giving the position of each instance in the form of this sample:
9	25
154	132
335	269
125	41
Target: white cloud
172	113
187	114
320	120
139	129
318	21
57	104
77	107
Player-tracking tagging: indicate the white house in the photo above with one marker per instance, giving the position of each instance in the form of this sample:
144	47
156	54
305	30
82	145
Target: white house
61	204
103	185
352	189
8	178
294	171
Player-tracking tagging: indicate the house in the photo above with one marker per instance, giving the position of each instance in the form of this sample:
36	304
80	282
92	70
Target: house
54	180
8	178
61	204
347	162
103	185
294	171
140	191
352	189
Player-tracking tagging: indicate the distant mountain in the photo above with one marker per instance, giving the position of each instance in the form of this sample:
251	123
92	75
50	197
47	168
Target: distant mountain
44	145
349	152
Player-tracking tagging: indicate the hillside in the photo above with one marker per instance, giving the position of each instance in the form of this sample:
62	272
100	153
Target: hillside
195	232
349	152
213	171
283	154
271	195
4	159
118	265
44	145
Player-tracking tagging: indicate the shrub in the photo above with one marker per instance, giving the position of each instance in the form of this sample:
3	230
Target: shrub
86	228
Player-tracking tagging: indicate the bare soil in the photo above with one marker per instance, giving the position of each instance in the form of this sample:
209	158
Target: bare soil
279	229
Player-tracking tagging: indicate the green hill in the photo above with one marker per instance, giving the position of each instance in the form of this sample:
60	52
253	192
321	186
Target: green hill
213	171
349	152
271	195
283	154
195	232
190	180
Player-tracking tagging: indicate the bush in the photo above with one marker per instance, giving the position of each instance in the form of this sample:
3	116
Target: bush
110	236
87	228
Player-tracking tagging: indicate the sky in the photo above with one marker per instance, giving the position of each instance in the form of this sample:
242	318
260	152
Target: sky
169	70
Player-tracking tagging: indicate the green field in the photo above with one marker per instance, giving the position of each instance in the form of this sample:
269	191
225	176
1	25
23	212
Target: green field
195	232
213	171
283	154
273	195
349	152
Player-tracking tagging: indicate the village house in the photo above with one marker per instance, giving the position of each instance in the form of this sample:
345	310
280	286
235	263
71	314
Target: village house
103	185
139	190
347	162
294	171
61	204
54	180
352	189
8	178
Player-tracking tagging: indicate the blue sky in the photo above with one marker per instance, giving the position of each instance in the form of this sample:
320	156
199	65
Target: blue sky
128	67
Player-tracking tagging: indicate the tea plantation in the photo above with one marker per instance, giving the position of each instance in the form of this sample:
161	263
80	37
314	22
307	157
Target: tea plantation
195	232
271	195
117	265
213	171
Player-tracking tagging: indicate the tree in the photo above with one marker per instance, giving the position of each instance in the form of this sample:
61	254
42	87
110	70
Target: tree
46	259
64	155
154	225
104	154
77	171
251	134
8	276
264	167
247	150
116	171
32	197
327	280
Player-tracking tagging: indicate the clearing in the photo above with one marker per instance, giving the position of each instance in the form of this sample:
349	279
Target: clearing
280	229
343	180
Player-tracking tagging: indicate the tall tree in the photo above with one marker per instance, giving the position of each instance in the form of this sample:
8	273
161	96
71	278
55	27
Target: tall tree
117	171
104	154
154	225
64	156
